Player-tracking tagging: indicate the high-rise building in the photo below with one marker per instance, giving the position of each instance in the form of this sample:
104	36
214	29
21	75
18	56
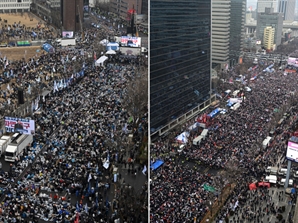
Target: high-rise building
262	4
237	30
228	19
274	20
180	52
72	14
220	32
268	39
14	6
287	8
121	8
144	9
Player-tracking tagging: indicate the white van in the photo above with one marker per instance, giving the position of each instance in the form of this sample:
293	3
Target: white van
204	133
266	142
271	170
283	181
197	140
235	106
235	93
271	179
282	171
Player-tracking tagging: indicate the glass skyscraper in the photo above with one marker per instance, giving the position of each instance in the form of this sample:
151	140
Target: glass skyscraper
180	51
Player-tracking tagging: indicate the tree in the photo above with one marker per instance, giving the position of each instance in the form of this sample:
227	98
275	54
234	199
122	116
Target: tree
135	99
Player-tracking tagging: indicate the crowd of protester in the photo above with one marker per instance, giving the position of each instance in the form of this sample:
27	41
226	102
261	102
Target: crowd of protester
71	170
233	143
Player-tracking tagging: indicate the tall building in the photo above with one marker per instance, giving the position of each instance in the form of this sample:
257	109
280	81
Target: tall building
144	9
180	52
237	30
262	4
287	8
228	19
122	7
72	15
268	40
13	6
220	32
49	10
274	20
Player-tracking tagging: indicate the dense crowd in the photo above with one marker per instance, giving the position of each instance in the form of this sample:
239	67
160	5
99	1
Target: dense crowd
71	171
234	139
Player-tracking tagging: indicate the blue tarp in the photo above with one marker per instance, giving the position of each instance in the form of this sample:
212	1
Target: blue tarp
230	104
48	47
156	164
214	113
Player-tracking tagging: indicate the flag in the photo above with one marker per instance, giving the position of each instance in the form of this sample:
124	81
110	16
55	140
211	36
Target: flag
86	208
144	170
89	177
89	187
29	89
96	202
8	87
54	87
94	56
77	206
77	218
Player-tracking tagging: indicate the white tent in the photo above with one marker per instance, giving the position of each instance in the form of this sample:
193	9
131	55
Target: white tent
182	138
110	52
104	42
101	60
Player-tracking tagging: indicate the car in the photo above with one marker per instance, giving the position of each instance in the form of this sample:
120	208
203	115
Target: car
283	181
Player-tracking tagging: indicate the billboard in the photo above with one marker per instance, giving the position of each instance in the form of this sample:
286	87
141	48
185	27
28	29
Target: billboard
67	34
131	41
292	151
25	126
293	61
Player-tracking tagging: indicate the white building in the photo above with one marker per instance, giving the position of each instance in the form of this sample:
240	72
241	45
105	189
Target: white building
287	8
220	31
10	6
262	4
92	3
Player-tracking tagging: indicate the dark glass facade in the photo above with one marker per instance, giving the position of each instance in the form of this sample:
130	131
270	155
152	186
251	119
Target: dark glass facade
180	41
237	20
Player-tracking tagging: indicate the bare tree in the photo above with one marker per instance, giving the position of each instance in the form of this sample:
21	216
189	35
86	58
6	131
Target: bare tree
136	96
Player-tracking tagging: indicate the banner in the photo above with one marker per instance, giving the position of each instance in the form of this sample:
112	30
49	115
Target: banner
130	41
25	126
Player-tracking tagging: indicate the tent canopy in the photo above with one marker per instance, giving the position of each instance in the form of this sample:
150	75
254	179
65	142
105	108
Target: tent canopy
111	52
264	184
101	60
252	186
182	138
156	164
